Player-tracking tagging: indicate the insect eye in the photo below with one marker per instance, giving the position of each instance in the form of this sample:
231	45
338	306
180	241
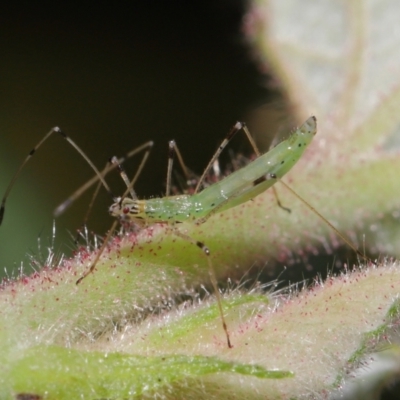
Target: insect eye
126	210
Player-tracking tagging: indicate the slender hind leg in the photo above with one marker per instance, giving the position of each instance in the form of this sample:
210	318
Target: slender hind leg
213	278
239	126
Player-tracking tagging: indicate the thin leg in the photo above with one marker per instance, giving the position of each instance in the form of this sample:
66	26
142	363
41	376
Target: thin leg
236	128
86	217
217	209
130	184
189	175
251	140
124	176
94	196
171	153
99	253
257	152
341	235
213	278
186	171
110	167
278	202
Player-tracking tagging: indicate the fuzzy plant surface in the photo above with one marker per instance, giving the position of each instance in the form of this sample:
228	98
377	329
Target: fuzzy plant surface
143	326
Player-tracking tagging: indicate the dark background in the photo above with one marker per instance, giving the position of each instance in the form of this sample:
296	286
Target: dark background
113	76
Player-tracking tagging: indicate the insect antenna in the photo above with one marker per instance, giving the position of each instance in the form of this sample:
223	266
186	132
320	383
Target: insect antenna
99	176
115	161
32	153
60	209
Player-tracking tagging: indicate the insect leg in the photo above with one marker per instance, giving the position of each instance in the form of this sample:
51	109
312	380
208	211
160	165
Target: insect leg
257	152
340	234
278	201
190	177
95	193
99	253
124	176
115	162
213	278
236	128
241	196
171	153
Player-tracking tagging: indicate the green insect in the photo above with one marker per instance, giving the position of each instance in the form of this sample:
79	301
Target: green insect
237	188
